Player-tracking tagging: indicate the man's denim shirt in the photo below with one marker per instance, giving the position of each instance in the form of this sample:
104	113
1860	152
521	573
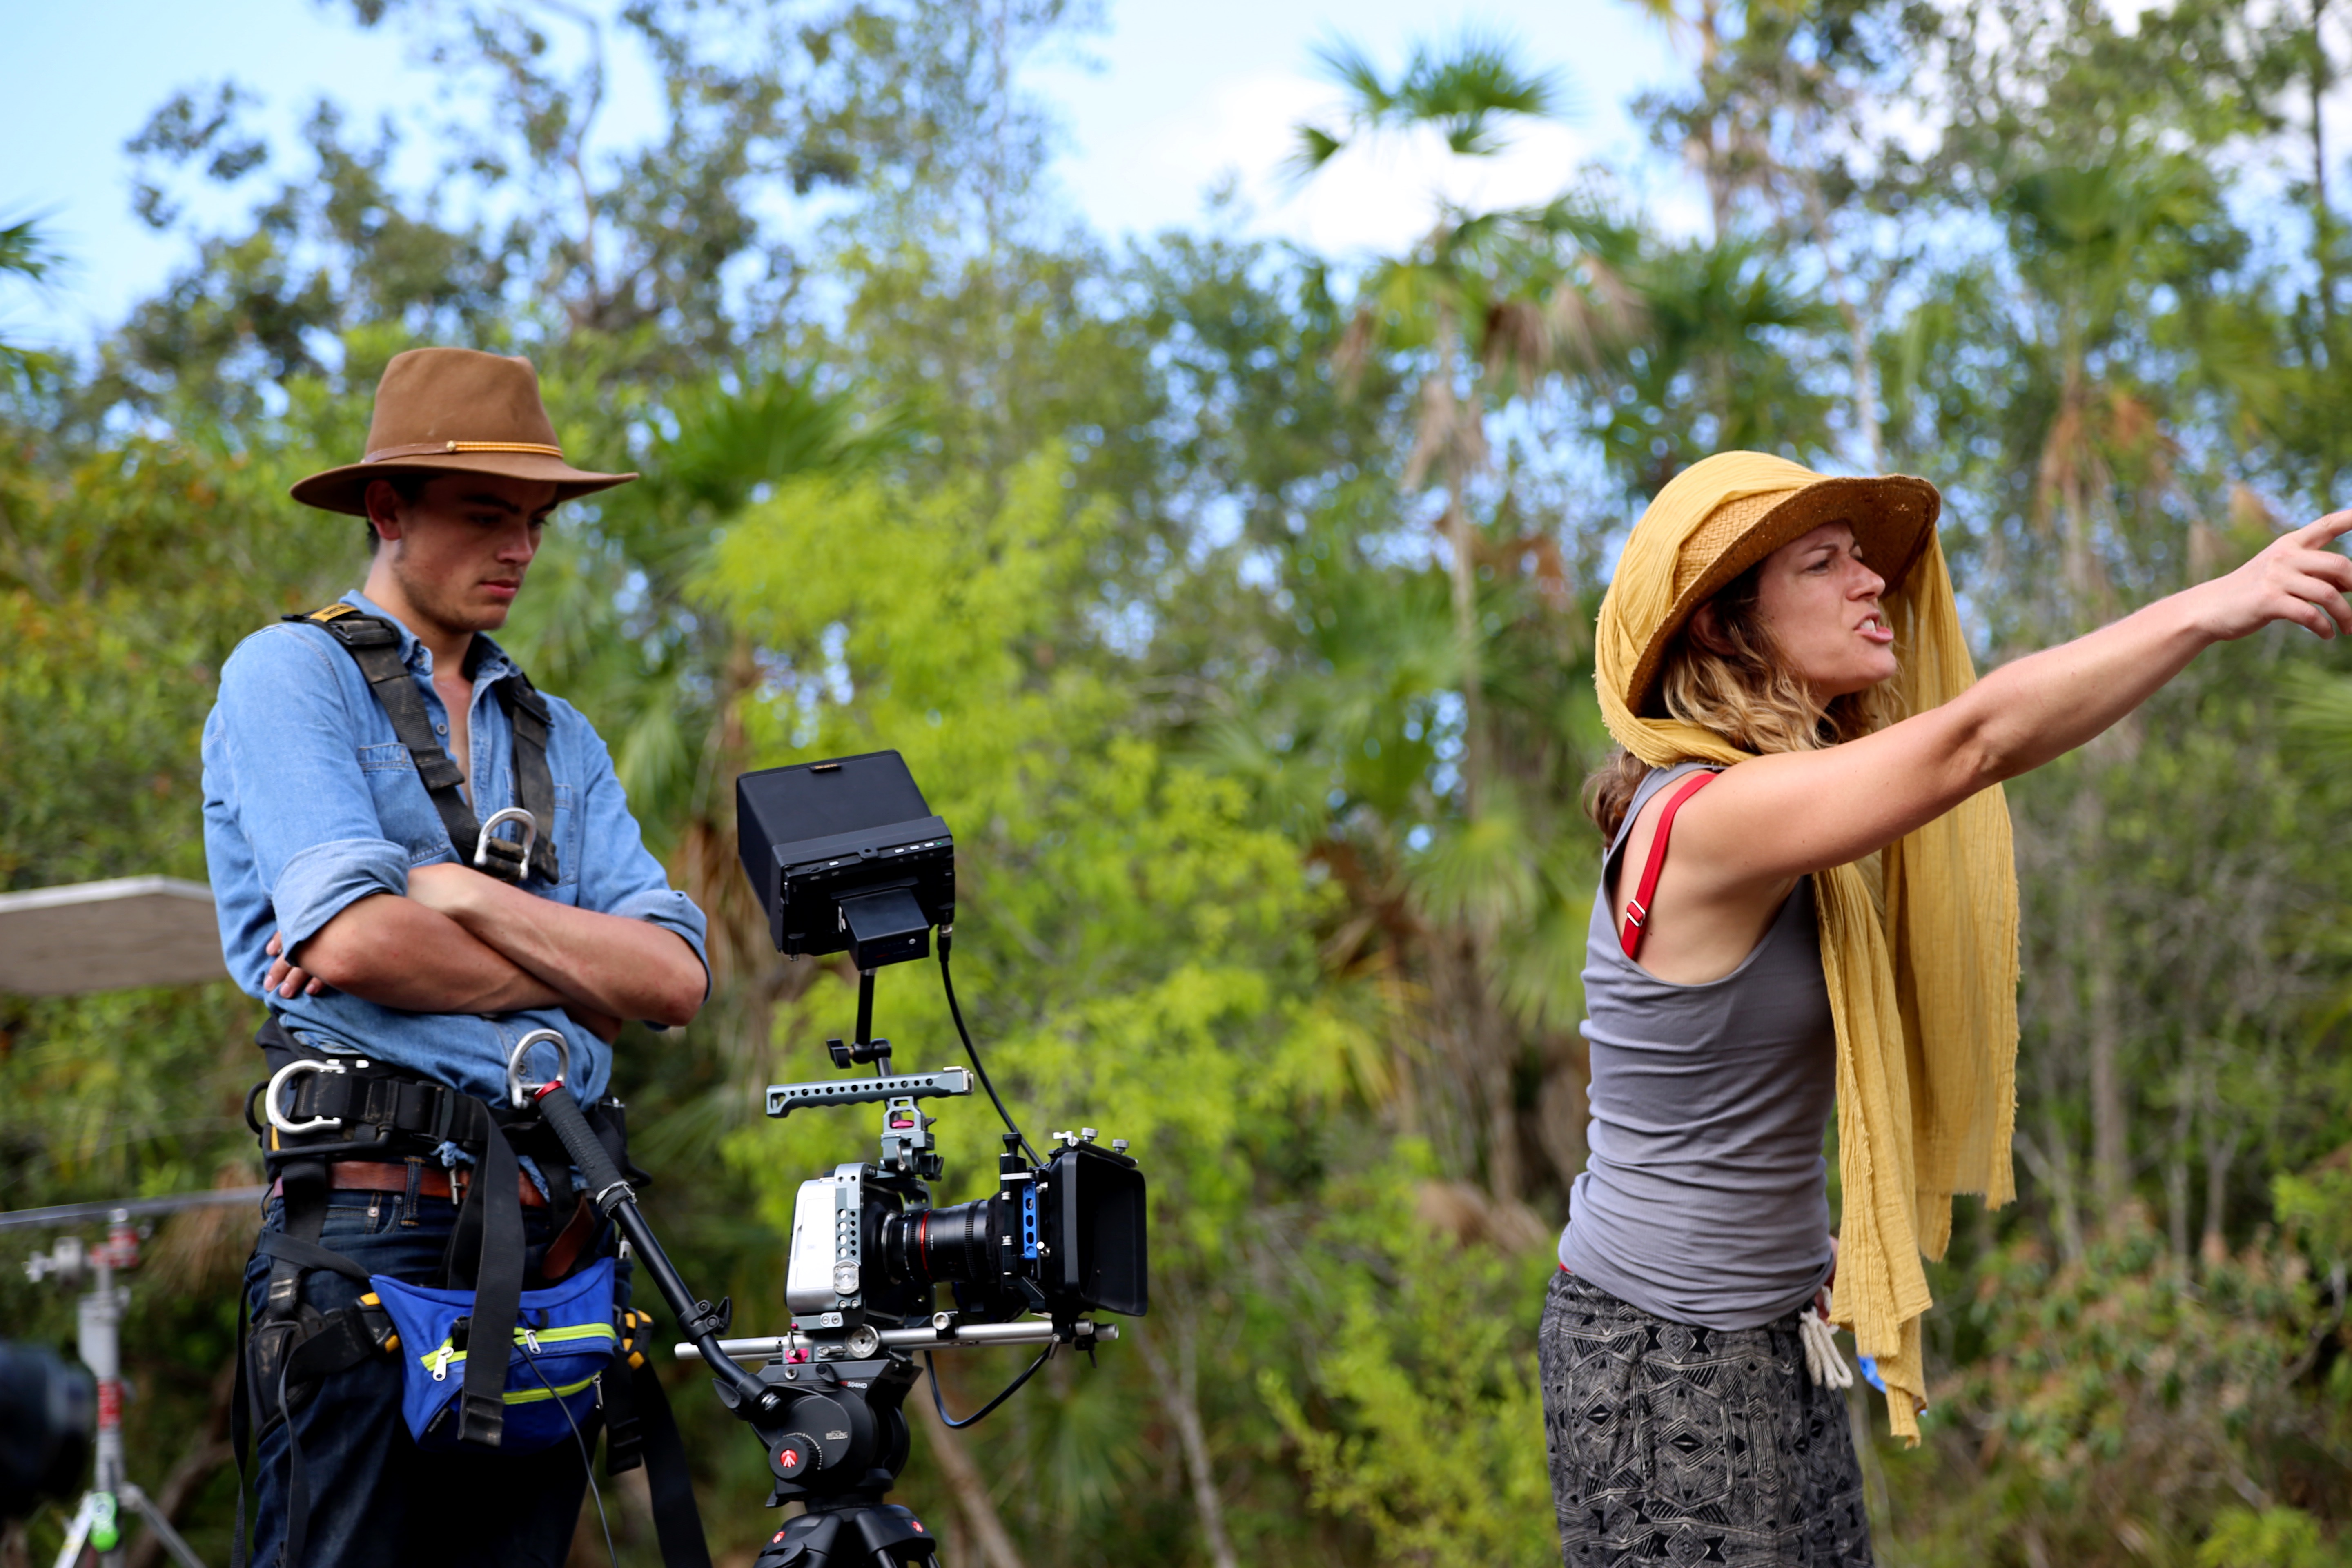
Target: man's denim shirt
311	804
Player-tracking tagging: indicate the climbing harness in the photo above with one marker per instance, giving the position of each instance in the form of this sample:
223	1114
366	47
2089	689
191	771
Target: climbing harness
343	1122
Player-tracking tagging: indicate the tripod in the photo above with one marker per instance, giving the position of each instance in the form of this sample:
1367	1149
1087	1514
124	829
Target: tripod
97	1522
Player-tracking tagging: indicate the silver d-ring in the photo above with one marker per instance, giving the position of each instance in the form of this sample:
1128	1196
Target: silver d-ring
498	820
277	1081
519	1091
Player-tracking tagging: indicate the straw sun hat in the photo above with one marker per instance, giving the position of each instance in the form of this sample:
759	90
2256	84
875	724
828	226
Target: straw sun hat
441	411
1720	516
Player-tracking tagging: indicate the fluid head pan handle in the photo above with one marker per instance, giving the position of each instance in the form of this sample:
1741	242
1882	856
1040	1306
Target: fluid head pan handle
783	1099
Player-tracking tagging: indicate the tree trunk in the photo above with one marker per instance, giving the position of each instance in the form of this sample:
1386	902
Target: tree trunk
2322	220
1857	330
2110	1126
994	1547
2220	1153
1179	1392
2102	1033
2055	1172
2176	1174
1492	1038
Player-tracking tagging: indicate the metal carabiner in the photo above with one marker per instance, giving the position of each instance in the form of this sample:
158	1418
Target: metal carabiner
277	1081
498	820
519	1091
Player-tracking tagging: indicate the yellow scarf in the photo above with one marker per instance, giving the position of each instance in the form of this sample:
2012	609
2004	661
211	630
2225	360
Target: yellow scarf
1925	993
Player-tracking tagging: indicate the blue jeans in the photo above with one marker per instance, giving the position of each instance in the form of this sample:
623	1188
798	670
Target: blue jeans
376	1499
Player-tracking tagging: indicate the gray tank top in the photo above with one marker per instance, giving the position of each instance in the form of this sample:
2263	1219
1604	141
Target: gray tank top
1705	1199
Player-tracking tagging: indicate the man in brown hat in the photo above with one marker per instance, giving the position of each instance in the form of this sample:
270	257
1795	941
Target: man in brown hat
430	875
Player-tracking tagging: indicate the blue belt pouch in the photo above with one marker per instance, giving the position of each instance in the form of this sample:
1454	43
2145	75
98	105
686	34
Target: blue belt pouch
563	1339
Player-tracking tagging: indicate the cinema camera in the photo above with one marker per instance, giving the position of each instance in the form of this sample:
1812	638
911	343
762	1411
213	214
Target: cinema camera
846	856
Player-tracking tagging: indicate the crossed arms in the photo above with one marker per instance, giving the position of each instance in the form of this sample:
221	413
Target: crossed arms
464	942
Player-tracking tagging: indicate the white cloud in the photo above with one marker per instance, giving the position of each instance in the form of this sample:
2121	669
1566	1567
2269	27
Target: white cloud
1379	195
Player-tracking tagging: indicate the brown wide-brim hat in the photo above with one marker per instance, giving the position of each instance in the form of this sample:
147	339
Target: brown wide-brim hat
441	411
1721	516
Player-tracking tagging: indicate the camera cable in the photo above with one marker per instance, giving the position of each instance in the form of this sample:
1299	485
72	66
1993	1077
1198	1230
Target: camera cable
586	1463
931	1362
947	982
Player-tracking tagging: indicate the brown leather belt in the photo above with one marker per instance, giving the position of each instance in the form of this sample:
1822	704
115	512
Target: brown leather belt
373	1176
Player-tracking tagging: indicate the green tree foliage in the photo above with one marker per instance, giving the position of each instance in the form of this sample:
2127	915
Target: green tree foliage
1232	605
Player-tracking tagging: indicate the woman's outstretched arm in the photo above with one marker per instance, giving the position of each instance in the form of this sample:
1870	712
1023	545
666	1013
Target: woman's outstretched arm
1779	817
1740	845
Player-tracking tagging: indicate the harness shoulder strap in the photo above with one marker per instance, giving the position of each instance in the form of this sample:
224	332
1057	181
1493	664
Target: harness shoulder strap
373	644
532	725
1637	908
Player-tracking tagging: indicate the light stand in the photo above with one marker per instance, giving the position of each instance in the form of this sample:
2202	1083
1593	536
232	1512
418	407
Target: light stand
98	1520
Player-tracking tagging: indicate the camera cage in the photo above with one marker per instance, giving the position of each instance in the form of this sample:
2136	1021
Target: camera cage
1071	1227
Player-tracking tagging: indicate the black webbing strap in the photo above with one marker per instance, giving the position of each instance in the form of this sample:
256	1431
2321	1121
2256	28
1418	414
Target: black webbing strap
493	1213
534	784
298	1484
624	1442
240	1428
374	1103
676	1521
306	1253
304	1188
373	644
292	1251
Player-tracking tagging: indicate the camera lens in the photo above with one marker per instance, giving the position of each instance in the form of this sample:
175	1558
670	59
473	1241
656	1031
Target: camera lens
949	1245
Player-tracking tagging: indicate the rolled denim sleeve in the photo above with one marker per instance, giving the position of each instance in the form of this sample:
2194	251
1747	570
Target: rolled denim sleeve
619	876
284	741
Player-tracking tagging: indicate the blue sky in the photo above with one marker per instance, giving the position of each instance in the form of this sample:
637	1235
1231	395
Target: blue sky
1176	97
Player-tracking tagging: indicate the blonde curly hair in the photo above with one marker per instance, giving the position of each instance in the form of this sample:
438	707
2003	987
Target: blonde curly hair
1745	692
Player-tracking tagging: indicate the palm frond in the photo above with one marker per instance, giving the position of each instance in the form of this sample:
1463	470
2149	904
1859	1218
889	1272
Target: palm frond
24	251
1477	872
1477	77
1344	61
1316	147
732	439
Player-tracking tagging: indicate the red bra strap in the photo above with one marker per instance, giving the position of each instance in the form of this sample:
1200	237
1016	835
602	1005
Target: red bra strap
1637	908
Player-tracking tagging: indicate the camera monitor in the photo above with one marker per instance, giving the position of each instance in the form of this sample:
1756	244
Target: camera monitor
846	856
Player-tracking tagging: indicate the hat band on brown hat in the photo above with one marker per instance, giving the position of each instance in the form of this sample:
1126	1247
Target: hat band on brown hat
420	449
424	395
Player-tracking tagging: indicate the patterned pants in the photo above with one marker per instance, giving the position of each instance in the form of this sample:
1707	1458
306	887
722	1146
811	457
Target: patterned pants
1671	1444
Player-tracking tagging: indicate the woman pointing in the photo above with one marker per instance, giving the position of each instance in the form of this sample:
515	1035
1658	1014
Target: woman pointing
1807	901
